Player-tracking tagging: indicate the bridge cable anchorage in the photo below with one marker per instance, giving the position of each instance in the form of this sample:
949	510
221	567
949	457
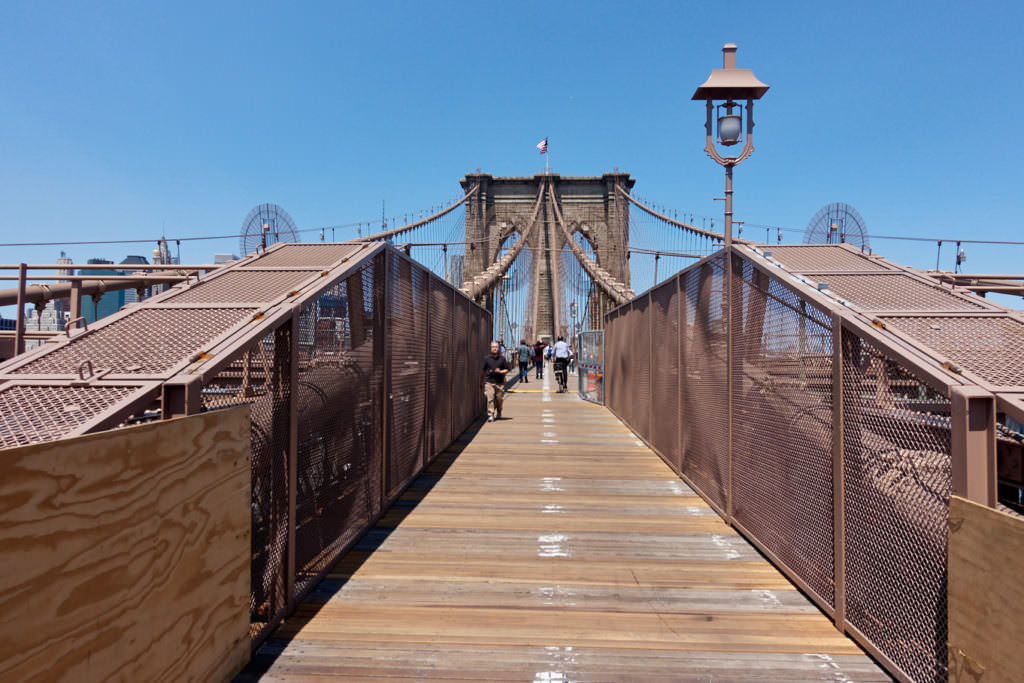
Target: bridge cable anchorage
481	284
618	291
710	234
388	234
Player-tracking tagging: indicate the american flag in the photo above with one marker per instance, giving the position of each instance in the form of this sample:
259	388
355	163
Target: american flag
543	146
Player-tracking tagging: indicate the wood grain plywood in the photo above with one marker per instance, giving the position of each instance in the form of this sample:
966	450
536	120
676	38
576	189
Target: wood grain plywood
986	593
553	545
126	553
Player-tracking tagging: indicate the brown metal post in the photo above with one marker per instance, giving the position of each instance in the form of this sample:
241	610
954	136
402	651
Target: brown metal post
293	452
838	482
973	463
428	424
650	366
729	354
728	205
19	325
680	374
76	300
385	347
452	353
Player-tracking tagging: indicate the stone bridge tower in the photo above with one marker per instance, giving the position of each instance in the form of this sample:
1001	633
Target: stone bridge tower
590	206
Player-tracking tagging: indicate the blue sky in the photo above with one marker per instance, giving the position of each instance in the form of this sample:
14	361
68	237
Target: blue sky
123	120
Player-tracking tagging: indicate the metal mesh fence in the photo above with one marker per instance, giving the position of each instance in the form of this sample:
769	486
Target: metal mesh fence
897	486
386	375
440	363
704	414
590	365
338	470
260	375
869	547
664	372
407	347
782	426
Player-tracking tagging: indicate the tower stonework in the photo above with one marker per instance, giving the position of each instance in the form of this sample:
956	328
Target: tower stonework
590	206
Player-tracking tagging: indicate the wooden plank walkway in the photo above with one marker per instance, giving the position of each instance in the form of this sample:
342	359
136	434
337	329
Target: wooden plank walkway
552	545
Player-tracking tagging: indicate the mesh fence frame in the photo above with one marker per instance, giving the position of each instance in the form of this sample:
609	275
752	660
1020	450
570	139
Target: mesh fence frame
705	450
640	360
889	291
896	448
33	414
782	427
613	358
147	341
992	347
407	347
306	255
461	397
897	477
260	375
243	286
440	363
824	257
337	468
664	371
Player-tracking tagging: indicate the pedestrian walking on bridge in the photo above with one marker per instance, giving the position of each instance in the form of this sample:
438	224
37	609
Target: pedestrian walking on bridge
538	359
525	352
492	381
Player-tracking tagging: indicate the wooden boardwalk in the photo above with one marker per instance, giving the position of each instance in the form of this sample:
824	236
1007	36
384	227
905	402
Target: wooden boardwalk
552	545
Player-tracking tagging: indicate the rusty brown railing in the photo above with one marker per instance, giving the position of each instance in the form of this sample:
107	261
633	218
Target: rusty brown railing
830	440
351	397
358	363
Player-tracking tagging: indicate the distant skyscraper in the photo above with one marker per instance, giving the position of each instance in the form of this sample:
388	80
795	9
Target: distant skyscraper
52	316
224	258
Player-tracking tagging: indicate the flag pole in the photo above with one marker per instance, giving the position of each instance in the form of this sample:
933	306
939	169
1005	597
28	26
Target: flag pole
547	144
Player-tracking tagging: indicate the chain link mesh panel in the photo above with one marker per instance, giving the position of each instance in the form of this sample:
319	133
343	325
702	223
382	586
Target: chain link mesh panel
260	375
441	364
705	438
664	371
148	341
461	398
898	292
407	348
896	435
243	286
782	426
640	350
307	255
991	347
338	394
823	257
33	414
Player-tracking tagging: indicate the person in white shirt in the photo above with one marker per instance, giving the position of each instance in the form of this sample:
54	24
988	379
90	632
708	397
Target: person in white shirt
560	352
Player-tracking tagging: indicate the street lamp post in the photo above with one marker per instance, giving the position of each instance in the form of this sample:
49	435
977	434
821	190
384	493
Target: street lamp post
726	85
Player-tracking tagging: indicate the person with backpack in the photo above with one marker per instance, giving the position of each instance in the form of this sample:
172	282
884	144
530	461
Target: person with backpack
560	352
524	352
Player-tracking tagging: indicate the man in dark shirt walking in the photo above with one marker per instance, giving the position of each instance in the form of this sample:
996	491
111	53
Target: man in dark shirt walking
538	358
492	381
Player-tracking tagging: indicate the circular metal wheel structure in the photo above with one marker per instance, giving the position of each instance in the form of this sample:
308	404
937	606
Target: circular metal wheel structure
836	223
268	219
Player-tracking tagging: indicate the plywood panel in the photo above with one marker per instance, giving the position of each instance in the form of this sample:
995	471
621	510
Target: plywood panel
126	553
986	593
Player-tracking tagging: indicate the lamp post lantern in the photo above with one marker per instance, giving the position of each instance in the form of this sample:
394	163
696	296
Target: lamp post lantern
726	86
